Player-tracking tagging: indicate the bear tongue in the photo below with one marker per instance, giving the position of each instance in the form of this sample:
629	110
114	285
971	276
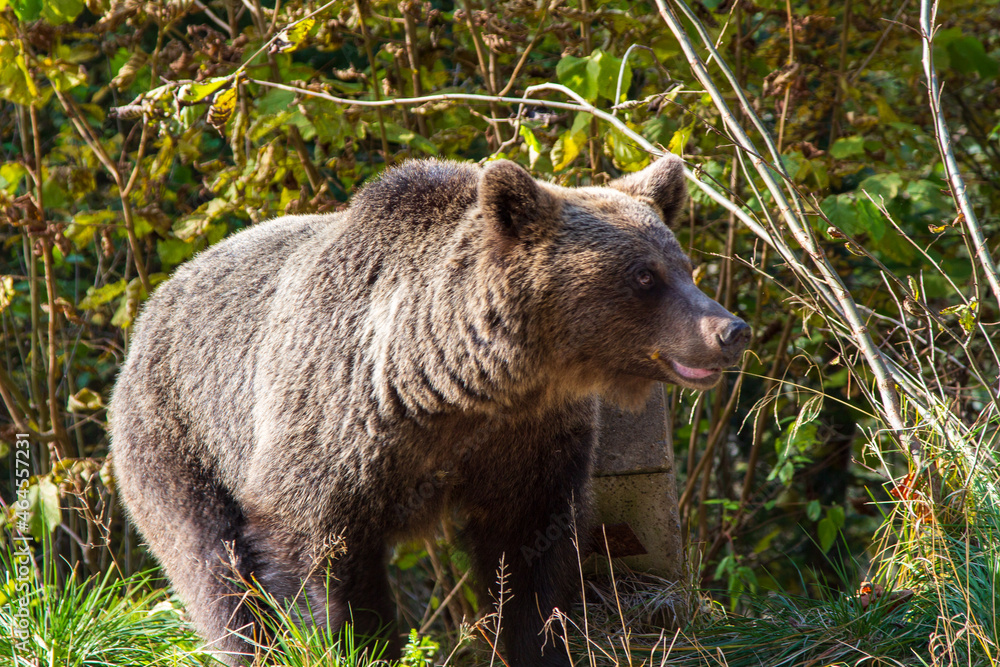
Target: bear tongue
692	373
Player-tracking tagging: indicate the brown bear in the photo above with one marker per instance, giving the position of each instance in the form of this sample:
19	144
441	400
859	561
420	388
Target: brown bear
439	345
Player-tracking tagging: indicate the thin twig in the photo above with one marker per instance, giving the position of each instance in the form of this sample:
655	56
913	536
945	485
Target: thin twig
441	607
413	55
215	19
524	56
477	41
878	44
14	401
58	429
369	52
928	13
34	341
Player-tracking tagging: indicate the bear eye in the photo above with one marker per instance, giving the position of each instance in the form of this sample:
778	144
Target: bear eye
644	278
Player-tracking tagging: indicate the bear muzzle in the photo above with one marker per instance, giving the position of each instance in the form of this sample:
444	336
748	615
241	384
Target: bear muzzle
727	343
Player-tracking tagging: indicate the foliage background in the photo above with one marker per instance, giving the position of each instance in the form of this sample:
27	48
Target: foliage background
134	134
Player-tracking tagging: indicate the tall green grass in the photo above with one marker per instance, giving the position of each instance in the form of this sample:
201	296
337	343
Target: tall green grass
96	621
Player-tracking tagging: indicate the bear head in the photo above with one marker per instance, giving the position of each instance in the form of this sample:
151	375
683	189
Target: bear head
613	297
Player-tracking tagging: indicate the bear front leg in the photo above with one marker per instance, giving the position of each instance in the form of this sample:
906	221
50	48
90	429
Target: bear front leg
357	593
540	573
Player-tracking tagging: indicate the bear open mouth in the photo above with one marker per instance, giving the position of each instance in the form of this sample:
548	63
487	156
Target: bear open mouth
693	373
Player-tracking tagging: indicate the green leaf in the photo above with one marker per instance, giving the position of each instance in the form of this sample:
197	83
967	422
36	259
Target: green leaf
581	122
81	230
58	12
966	314
78	53
400	135
575	74
894	246
836	515
871	219
927	196
216	233
820	175
659	129
44	513
627	155
839	210
273	101
173	251
968	317
534	148
803	169
101	295
63	76
11	174
765	542
569	144
827	533
604	68
724	567
967	55
886	186
27	10
16	83
846	147
813	510
408	556
786	472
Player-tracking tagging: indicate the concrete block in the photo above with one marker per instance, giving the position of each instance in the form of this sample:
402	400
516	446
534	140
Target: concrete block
636	491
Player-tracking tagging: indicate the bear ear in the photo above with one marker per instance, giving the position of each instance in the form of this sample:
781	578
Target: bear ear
662	182
510	197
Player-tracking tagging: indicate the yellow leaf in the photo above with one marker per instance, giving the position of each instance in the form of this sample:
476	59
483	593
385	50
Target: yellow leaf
966	314
85	400
222	108
534	148
885	112
291	37
195	92
6	292
566	148
680	140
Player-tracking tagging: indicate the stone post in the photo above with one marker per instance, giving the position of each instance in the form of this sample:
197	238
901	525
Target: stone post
636	491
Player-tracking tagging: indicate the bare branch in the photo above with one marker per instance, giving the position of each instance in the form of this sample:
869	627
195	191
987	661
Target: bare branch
928	12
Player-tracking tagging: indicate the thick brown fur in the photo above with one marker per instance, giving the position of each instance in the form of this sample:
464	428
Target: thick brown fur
440	345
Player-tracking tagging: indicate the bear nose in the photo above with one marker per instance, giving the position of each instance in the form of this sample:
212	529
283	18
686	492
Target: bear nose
735	336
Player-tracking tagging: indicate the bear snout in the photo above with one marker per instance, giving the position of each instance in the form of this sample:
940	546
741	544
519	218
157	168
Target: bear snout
734	338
